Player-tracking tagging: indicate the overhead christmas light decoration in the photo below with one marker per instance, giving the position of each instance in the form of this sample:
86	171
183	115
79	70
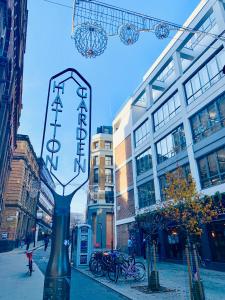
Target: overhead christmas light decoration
162	31
90	39
129	34
107	20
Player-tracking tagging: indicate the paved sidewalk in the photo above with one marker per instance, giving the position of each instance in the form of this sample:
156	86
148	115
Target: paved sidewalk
15	283
172	276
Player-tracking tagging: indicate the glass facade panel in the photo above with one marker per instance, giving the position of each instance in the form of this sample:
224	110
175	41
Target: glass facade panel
141	134
146	194
172	144
212	168
204	78
166	112
209	120
144	162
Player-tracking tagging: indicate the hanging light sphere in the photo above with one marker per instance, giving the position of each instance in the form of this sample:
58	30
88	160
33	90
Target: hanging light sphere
90	40
162	31
129	34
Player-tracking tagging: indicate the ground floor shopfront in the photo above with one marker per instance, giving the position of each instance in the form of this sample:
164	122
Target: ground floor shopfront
171	243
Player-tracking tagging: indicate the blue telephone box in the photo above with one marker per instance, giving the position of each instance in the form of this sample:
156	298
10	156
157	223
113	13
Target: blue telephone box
82	245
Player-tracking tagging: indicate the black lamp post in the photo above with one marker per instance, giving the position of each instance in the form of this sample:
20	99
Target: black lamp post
58	272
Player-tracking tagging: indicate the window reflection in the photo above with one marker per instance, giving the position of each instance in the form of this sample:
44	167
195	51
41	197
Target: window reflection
209	120
166	112
144	162
141	134
208	75
212	168
146	194
171	145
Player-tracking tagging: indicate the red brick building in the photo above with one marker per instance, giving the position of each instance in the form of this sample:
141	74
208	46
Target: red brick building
13	27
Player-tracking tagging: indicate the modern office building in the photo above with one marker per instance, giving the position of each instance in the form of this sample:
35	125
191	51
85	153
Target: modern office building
175	118
13	27
100	207
19	216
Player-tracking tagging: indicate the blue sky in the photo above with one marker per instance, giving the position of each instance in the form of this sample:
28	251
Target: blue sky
113	76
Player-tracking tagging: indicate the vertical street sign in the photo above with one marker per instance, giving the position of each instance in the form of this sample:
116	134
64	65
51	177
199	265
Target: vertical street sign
66	152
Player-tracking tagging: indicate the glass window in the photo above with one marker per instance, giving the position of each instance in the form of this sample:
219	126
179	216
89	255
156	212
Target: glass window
172	144
221	160
166	112
108	160
96	145
95	175
141	134
207	76
108	175
209	120
204	79
108	145
144	162
109	194
146	194
212	168
96	160
221	108
207	26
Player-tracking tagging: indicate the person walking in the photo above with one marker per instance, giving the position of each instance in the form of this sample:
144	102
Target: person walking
144	244
130	246
46	241
28	241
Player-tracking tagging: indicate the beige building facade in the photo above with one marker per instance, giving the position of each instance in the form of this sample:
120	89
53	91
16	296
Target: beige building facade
100	207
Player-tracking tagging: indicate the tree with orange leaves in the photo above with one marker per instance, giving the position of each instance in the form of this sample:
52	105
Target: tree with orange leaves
185	206
188	210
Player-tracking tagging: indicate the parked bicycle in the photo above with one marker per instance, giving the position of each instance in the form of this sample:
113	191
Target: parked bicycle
128	268
100	262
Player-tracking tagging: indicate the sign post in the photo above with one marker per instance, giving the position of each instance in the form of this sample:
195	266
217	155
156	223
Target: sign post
66	151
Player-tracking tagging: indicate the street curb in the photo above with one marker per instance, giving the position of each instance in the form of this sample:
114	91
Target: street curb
103	284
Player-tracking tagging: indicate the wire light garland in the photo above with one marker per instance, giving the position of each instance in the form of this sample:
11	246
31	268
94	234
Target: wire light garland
94	22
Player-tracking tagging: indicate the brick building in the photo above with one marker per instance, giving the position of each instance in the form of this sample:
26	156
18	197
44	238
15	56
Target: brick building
13	27
19	215
123	175
101	188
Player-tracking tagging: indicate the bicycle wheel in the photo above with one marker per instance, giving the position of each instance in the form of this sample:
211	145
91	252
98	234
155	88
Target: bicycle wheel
113	272
30	267
92	263
139	271
98	269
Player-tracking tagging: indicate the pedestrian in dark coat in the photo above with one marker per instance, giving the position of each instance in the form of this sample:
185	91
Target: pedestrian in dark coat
28	241
46	241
